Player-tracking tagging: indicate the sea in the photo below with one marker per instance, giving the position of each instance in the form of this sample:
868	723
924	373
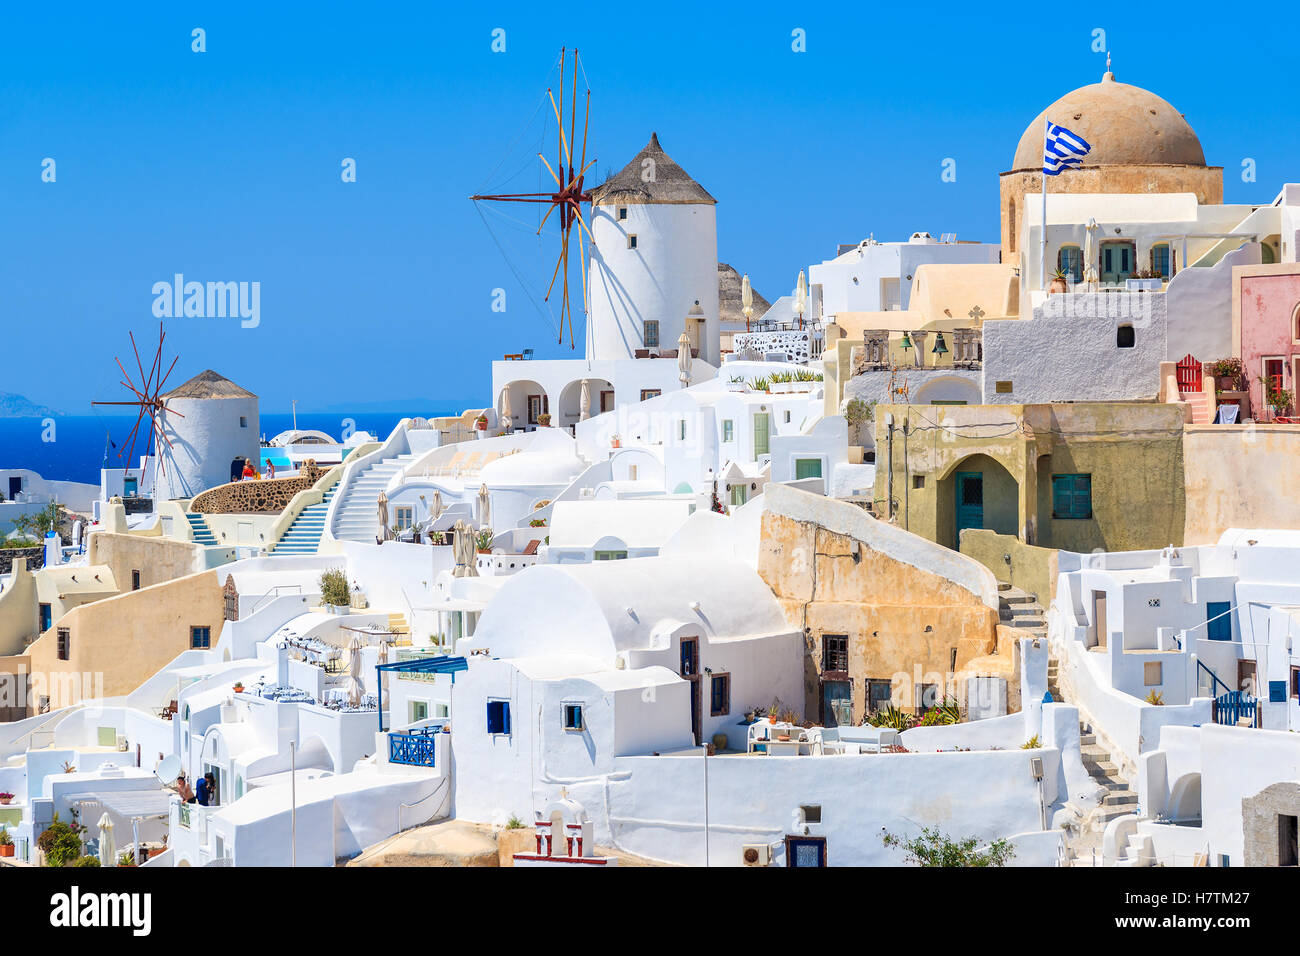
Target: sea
75	447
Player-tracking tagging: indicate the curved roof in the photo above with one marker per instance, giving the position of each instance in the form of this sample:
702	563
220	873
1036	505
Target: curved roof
651	177
531	468
729	306
209	384
1125	125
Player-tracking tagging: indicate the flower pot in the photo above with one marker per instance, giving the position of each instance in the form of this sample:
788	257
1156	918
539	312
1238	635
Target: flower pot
4	801
1057	286
7	850
238	690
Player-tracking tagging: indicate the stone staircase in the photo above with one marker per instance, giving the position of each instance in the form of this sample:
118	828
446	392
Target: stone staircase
1020	609
202	533
1200	402
303	534
1117	801
357	517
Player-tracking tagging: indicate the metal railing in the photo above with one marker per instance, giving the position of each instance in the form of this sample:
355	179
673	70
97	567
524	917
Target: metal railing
416	748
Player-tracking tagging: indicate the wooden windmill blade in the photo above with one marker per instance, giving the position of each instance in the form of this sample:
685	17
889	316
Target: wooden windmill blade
148	401
570	192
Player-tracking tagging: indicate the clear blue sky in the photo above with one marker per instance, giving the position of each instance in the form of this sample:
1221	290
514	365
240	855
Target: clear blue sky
225	165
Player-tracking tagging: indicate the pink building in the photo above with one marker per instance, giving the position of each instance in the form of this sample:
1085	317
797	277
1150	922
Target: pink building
1266	331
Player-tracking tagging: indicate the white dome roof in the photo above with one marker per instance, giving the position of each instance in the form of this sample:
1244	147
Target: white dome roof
533	468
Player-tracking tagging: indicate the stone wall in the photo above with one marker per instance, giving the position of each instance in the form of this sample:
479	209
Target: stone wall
267	496
1259	822
35	558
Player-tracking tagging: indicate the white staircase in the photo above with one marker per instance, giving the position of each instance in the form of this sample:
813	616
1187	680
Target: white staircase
357	516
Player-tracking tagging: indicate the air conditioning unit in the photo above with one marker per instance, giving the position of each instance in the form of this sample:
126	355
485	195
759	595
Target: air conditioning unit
756	854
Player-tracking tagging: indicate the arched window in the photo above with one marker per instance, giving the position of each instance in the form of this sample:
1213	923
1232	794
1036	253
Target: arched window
1295	322
1160	259
1012	225
1070	261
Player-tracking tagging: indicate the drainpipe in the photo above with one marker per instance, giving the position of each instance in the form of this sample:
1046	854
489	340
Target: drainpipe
907	481
889	423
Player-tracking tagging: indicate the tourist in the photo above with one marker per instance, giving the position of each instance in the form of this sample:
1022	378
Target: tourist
204	793
183	789
270	468
248	469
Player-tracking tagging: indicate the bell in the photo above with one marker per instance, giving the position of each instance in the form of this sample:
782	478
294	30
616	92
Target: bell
940	347
907	341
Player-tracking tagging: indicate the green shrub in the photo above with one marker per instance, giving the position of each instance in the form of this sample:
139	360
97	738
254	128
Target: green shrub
935	848
1033	743
334	588
892	718
514	823
60	842
86	861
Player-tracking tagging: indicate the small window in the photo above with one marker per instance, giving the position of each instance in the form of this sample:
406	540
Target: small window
417	710
720	695
1125	338
631	241
1070	261
649	393
622	213
573	717
787	416
1153	673
200	638
918	481
835	653
405	517
609	555
47	618
681	430
1072	496
243	422
64	643
498	717
811	812
650	333
135	580
739	494
1295	681
441	710
728	430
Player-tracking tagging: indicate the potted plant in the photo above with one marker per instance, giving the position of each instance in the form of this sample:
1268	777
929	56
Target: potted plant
239	687
5	798
544	420
6	842
481	423
335	595
1278	399
615	442
1060	282
483	541
126	858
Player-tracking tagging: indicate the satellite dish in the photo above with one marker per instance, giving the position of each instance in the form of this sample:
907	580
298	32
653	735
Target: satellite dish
168	769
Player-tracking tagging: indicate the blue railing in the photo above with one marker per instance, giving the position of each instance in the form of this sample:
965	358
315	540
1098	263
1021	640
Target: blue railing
1232	706
416	748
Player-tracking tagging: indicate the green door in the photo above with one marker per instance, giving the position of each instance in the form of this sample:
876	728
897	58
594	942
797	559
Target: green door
970	501
807	468
762	426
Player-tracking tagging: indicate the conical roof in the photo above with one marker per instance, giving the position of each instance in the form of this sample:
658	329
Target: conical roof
729	304
209	384
651	177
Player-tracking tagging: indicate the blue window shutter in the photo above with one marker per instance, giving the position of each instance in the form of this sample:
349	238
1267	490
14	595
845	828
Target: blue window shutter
1277	692
1083	496
1060	498
505	716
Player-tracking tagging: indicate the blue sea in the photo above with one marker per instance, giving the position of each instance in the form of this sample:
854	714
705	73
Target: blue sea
73	449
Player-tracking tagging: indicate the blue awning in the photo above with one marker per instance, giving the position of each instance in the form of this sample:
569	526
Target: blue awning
426	665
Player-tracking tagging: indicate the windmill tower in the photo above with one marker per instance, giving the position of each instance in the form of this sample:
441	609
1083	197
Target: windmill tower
654	265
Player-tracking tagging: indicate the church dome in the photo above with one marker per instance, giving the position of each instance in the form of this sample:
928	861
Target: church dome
1125	125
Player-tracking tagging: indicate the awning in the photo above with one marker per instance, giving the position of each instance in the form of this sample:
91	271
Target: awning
134	803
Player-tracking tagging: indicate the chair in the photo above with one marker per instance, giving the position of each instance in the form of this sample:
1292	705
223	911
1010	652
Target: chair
532	547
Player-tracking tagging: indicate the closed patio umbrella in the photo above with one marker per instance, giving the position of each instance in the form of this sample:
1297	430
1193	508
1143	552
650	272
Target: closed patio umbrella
1090	256
383	659
506	422
801	297
746	299
107	845
484	507
584	404
435	508
352	685
684	359
383	516
464	550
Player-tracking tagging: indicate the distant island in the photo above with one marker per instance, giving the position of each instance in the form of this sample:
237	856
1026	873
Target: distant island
13	405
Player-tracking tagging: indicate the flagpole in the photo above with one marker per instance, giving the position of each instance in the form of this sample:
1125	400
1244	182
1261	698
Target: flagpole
1042	256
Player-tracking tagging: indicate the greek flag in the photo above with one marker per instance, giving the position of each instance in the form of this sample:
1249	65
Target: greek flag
1062	149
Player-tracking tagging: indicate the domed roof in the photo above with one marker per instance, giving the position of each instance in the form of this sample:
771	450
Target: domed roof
1125	125
550	467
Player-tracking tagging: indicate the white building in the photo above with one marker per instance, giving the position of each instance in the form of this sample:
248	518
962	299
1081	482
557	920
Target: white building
210	425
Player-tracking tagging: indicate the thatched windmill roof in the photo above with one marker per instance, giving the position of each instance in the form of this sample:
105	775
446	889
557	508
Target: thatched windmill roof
729	296
651	177
208	384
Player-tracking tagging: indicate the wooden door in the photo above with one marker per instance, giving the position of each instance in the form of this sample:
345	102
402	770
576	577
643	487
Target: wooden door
1246	677
1099	616
1118	261
970	501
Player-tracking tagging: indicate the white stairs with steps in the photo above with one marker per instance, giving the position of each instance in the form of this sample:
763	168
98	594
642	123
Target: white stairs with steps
356	517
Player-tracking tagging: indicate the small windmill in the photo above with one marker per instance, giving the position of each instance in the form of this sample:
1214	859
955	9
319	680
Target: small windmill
148	399
570	191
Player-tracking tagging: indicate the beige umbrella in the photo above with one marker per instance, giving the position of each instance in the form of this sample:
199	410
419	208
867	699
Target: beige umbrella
435	509
1090	255
383	659
107	845
463	550
383	516
484	507
585	402
801	297
506	421
352	685
746	299
684	359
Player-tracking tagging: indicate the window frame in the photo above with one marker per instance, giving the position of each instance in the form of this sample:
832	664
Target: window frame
728	429
503	714
570	725
648	325
796	462
135	579
1075	274
1056	515
631	240
649	393
195	629
404	513
63	643
722	679
1159	671
840	655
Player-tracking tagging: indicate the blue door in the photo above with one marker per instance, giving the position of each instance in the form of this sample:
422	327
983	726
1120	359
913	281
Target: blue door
805	851
970	501
1219	627
837	703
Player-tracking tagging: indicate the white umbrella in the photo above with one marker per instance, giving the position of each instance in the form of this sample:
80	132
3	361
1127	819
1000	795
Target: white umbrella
684	359
585	402
484	507
107	845
352	685
383	516
505	417
383	659
801	297
746	299
435	509
1090	255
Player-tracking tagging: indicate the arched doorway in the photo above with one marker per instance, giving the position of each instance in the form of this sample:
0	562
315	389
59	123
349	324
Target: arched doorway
948	390
1185	800
977	492
569	408
526	403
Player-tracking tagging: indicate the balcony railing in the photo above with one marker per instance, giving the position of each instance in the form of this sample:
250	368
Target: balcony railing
416	748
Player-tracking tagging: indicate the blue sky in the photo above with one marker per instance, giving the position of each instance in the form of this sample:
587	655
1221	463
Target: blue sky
225	165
